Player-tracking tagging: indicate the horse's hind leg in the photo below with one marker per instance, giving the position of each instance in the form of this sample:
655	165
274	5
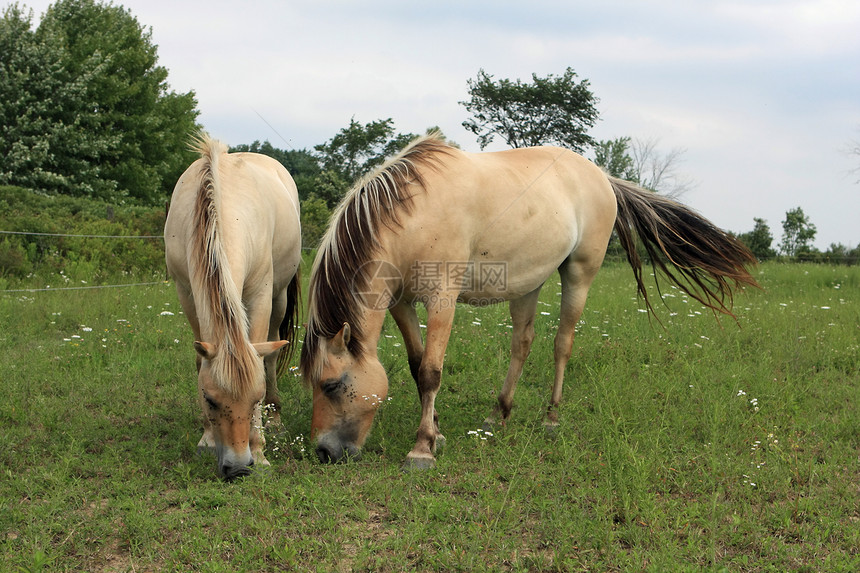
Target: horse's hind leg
576	279
523	318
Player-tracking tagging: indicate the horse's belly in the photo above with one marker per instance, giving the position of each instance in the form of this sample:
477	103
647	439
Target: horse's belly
500	280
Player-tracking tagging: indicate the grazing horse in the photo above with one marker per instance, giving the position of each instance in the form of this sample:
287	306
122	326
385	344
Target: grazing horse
233	246
439	226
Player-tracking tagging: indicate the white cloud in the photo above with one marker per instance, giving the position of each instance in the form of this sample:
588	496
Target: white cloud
763	94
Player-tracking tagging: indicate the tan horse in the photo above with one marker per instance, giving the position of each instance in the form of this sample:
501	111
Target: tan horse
439	226
233	246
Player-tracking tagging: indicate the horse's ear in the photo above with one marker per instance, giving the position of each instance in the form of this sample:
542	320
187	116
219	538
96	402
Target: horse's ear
266	348
340	342
205	349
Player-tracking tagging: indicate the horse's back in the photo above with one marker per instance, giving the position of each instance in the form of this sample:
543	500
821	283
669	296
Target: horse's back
258	209
528	208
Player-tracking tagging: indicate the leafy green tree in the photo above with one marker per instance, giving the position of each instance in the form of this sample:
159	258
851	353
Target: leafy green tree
612	155
315	216
551	110
841	254
759	240
358	149
43	114
93	114
330	187
797	233
133	106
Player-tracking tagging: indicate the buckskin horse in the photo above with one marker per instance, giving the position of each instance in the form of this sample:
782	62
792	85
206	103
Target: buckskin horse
233	247
439	226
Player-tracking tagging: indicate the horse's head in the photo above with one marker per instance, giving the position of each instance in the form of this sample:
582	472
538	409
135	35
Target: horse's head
231	390
347	391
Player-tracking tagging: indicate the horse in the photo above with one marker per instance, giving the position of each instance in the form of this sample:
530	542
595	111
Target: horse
438	226
233	246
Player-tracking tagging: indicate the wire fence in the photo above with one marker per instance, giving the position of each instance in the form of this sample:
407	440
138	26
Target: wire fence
88	287
27	233
74	236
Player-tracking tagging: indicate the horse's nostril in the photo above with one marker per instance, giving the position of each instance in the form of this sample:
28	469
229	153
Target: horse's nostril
231	472
325	455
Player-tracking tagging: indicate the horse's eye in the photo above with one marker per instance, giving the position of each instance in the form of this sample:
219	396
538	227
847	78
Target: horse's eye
332	387
213	405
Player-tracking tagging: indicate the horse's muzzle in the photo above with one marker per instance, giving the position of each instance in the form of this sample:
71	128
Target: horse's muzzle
230	471
331	450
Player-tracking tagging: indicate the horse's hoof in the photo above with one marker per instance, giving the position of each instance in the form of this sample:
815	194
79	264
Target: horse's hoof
440	443
418	464
489	425
551	429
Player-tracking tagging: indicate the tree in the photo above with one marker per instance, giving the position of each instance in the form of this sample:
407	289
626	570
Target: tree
657	171
797	233
759	240
551	110
612	155
358	149
855	150
43	113
91	112
639	161
315	216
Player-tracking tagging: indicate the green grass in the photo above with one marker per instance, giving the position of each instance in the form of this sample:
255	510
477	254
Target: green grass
691	446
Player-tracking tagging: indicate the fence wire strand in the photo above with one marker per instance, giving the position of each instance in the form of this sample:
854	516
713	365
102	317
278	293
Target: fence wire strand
91	287
82	236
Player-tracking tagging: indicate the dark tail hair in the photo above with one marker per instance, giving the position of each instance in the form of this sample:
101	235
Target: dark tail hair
704	261
292	318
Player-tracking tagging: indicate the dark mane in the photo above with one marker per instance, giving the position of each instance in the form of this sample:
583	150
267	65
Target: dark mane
377	200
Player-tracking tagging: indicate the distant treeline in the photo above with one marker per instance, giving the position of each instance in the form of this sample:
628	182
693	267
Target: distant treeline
71	239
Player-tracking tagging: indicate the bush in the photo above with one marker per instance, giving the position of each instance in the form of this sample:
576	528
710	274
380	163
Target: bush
82	258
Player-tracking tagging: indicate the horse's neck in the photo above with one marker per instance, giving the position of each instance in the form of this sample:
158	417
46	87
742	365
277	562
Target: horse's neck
384	284
372	321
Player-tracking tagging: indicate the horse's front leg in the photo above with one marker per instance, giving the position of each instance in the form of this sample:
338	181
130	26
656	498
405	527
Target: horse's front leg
206	444
273	399
264	315
440	318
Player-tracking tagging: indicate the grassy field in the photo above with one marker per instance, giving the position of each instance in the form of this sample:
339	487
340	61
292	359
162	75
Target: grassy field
691	446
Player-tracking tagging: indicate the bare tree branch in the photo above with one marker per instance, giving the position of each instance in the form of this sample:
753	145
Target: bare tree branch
659	171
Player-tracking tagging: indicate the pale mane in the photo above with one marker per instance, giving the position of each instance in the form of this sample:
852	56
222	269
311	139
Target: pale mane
219	308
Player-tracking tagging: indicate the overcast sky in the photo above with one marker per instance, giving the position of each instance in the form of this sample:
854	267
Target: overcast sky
763	96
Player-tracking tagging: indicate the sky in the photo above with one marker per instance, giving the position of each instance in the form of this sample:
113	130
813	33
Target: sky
762	97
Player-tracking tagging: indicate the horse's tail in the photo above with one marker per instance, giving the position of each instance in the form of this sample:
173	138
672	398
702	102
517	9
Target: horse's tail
704	261
291	320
